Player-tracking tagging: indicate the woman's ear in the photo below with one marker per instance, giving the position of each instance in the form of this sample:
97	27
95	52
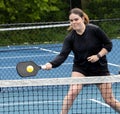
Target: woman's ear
83	19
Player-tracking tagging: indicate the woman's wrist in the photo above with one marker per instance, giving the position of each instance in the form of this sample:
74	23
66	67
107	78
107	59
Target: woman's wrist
98	55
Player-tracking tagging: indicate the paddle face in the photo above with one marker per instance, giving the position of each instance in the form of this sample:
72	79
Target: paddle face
26	69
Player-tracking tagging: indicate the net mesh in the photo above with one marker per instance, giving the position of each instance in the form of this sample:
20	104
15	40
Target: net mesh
45	96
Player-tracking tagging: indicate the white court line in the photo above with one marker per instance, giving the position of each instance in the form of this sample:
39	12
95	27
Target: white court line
28	103
55	52
114	65
25	56
51	51
96	101
46	102
99	102
12	67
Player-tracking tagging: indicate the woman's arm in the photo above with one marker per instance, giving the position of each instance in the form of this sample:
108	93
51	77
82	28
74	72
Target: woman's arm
60	58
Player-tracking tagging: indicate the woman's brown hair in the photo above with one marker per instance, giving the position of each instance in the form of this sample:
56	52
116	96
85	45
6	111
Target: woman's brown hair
81	13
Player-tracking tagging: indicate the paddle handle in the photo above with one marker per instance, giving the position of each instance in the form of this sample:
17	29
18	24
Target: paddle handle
43	67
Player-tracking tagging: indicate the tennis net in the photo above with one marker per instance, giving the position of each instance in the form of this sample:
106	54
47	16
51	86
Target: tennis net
45	96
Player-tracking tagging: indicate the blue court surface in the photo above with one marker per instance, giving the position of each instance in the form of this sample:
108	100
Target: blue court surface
33	102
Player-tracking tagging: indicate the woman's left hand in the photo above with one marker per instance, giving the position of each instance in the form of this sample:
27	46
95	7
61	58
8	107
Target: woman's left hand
93	58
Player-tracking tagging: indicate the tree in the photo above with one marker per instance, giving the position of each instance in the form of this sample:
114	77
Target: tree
14	11
100	9
75	3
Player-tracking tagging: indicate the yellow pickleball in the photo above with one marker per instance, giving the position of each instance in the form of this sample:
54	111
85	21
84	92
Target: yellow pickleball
30	69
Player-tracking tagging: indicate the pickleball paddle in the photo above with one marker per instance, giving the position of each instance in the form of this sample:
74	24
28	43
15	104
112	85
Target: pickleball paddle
28	68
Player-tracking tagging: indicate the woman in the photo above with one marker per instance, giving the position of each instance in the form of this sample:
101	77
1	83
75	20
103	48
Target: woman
90	46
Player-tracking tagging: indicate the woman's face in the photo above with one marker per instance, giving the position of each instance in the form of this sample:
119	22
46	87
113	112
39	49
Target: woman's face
76	22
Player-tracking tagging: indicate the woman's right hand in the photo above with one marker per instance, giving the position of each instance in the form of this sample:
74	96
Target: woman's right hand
48	66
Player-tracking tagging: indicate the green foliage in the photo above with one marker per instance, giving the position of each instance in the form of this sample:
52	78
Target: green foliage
32	36
105	9
21	11
27	11
101	9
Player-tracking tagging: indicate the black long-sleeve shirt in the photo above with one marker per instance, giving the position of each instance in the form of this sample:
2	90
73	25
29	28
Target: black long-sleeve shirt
89	43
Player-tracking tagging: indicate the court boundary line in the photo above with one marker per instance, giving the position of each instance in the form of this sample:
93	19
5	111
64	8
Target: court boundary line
51	51
50	101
